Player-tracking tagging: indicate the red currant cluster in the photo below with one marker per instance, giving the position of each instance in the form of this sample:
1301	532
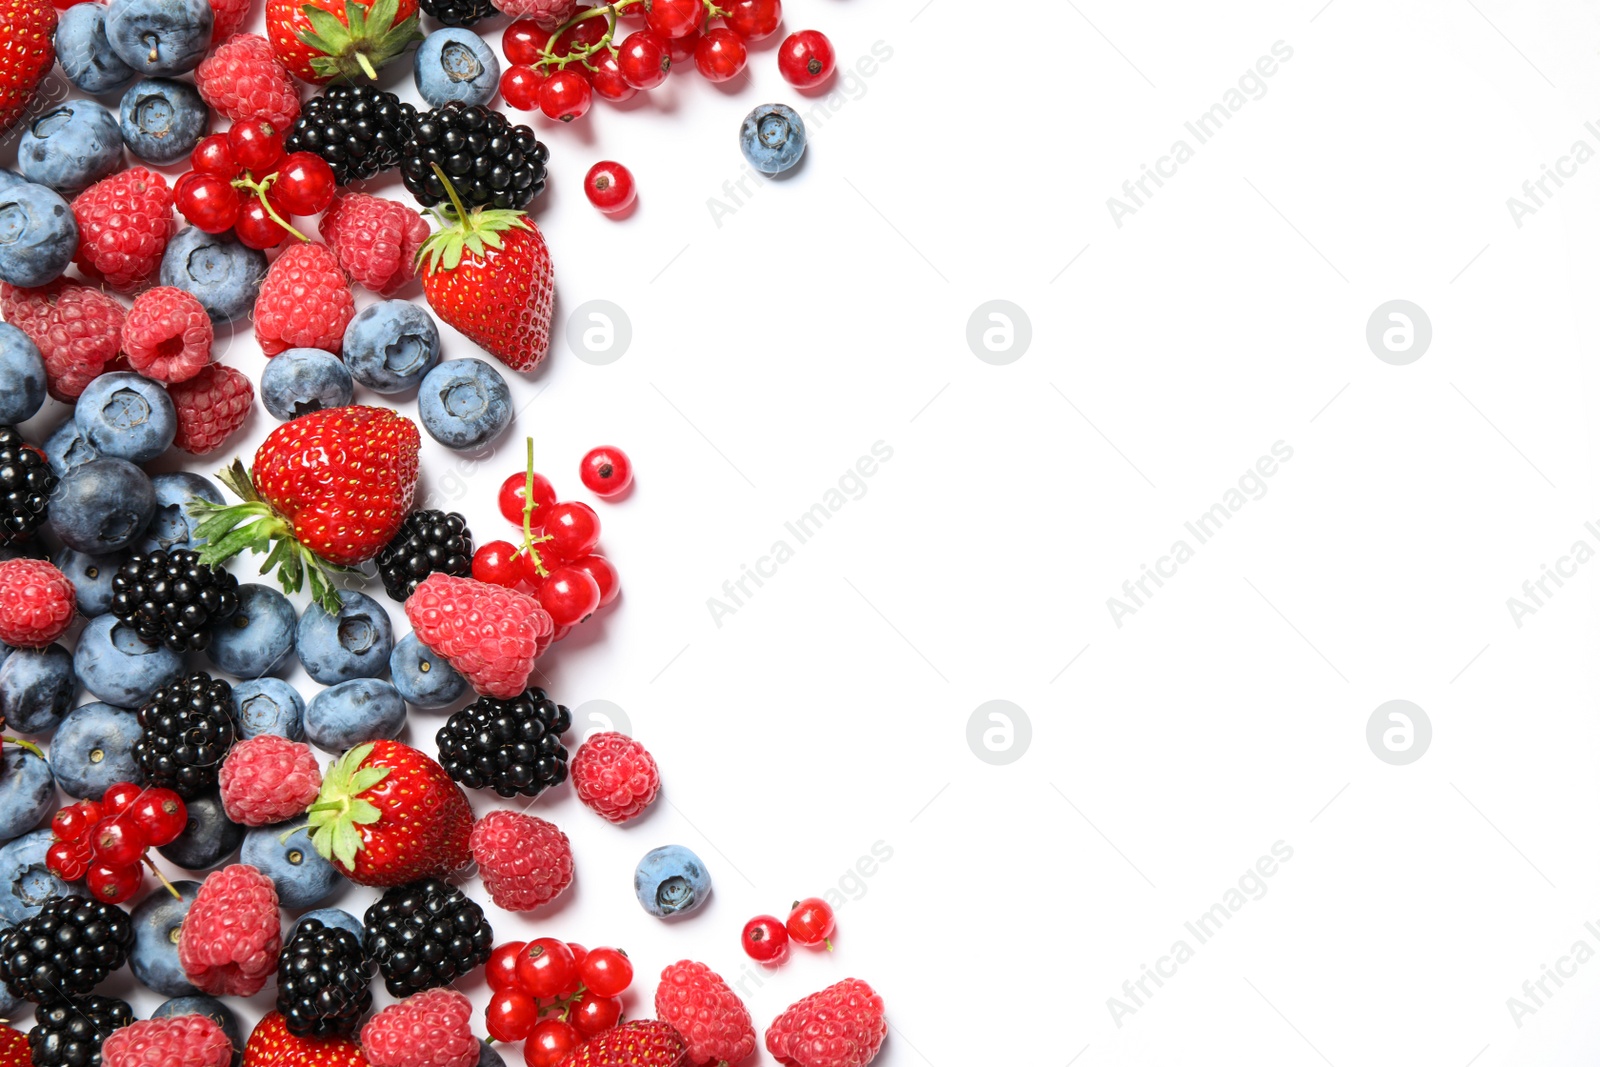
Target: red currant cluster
242	180
103	842
580	990
766	938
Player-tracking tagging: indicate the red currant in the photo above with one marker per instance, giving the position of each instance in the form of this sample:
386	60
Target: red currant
810	922
511	1015
501	969
255	228
565	96
720	55
572	528
754	20
596	1014
513	497
545	968
71	823
560	633
118	797
805	59
579	953
606	471
113	885
118	841
498	564
607	80
681	49
160	814
213	156
607	972
67	860
604	574
208	201
765	940
523	42
609	187
674	18
305	184
256	145
519	87
581	35
550	1042
570	596
644	60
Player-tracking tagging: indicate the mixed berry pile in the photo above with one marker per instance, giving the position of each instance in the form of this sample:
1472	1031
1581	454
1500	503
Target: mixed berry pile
116	573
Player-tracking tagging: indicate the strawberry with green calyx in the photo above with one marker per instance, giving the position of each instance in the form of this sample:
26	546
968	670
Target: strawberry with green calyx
328	39
27	41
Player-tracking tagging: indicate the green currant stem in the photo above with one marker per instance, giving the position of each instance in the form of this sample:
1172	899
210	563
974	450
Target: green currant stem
29	745
548	55
528	504
260	189
157	872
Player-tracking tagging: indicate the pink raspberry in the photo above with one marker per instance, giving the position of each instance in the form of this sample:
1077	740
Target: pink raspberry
375	240
211	407
226	18
231	937
842	1026
268	779
524	861
304	302
124	223
614	776
179	1041
244	80
429	1029
167	334
549	14
36	603
488	633
709	1015
78	331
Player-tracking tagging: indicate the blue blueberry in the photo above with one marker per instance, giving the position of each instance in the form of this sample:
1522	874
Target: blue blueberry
70	147
27	791
37	688
22	377
159	36
423	678
66	448
38	235
102	506
354	644
93	749
258	638
8	178
26	885
156	922
127	416
91	579
210	1007
302	380
671	880
455	64
303	878
163	120
208	838
269	706
221	273
390	346
333	918
487	1056
172	527
773	138
464	404
84	52
353	713
117	665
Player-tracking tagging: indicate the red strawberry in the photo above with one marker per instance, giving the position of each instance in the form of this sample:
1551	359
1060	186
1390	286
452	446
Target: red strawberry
328	39
27	51
488	275
272	1045
328	490
388	814
642	1043
14	1048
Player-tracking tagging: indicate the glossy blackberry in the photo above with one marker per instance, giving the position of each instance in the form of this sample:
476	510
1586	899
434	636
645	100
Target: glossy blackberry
65	950
428	542
457	12
26	482
426	934
511	746
357	129
324	981
69	1033
490	162
188	729
172	598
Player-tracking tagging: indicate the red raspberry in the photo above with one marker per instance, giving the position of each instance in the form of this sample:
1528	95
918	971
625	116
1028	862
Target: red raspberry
432	1028
179	1041
124	222
167	335
231	937
211	407
524	861
375	240
487	632
226	18
614	776
842	1026
36	603
268	779
304	302
78	330
709	1015
244	80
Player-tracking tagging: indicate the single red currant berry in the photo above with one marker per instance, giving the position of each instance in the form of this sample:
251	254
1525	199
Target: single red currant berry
257	229
579	953
681	50
118	798
118	841
66	861
513	497
805	59
644	60
519	87
572	528
581	35
607	972
210	202
754	20
607	80
674	18
545	967
765	940
112	885
160	814
606	471
257	146
498	564
565	96
213	156
305	184
604	574
609	187
501	970
71	823
511	1015
810	922
550	1042
570	596
596	1014
523	42
720	55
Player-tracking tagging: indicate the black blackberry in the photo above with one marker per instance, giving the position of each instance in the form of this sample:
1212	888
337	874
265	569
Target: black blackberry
65	950
426	934
171	598
324	981
26	482
457	12
490	162
357	129
428	542
511	746
69	1033
188	727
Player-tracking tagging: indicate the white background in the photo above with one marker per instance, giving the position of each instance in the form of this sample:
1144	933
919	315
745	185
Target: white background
774	345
